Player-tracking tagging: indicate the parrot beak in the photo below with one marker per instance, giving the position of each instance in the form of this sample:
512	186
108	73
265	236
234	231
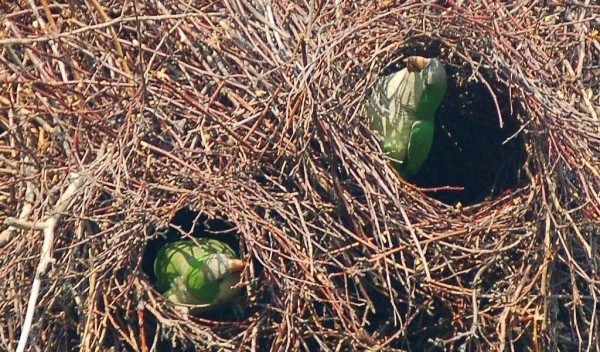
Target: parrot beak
416	63
236	265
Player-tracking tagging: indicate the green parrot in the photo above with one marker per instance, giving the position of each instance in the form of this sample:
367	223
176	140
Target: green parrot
199	272
401	108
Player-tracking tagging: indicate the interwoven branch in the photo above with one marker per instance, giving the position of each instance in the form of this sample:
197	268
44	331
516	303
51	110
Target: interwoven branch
251	111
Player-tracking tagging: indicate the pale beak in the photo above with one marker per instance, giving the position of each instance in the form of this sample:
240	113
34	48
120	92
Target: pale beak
236	265
416	63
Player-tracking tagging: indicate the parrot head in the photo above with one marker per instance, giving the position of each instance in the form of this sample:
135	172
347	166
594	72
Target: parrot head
432	81
212	281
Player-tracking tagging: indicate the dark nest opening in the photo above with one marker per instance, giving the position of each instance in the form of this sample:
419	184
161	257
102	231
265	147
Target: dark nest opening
190	224
478	150
116	117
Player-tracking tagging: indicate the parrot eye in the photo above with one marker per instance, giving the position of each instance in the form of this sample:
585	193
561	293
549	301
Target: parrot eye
220	280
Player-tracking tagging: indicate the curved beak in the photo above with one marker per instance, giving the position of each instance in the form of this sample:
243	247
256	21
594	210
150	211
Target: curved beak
416	63
236	265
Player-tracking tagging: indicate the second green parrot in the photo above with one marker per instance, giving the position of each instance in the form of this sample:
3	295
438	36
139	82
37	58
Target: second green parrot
401	108
199	272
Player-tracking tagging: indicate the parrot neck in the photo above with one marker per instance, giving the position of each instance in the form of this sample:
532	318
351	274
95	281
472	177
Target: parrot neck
430	101
434	78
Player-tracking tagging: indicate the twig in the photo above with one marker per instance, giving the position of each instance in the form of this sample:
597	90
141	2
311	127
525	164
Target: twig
46	253
26	209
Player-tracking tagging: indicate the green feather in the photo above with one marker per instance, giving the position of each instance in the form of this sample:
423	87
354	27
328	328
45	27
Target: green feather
401	108
197	272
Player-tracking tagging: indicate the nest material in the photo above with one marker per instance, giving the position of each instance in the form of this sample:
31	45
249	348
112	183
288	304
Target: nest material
114	116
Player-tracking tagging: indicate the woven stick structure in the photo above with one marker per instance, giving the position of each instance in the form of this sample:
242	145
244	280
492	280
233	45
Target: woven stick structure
116	115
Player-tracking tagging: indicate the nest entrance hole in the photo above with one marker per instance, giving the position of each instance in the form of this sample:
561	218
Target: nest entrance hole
472	152
197	225
478	151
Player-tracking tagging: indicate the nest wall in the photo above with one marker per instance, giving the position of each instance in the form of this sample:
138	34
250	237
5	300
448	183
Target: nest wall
114	116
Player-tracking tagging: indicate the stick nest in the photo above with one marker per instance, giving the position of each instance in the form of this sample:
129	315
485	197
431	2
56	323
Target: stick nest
251	112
